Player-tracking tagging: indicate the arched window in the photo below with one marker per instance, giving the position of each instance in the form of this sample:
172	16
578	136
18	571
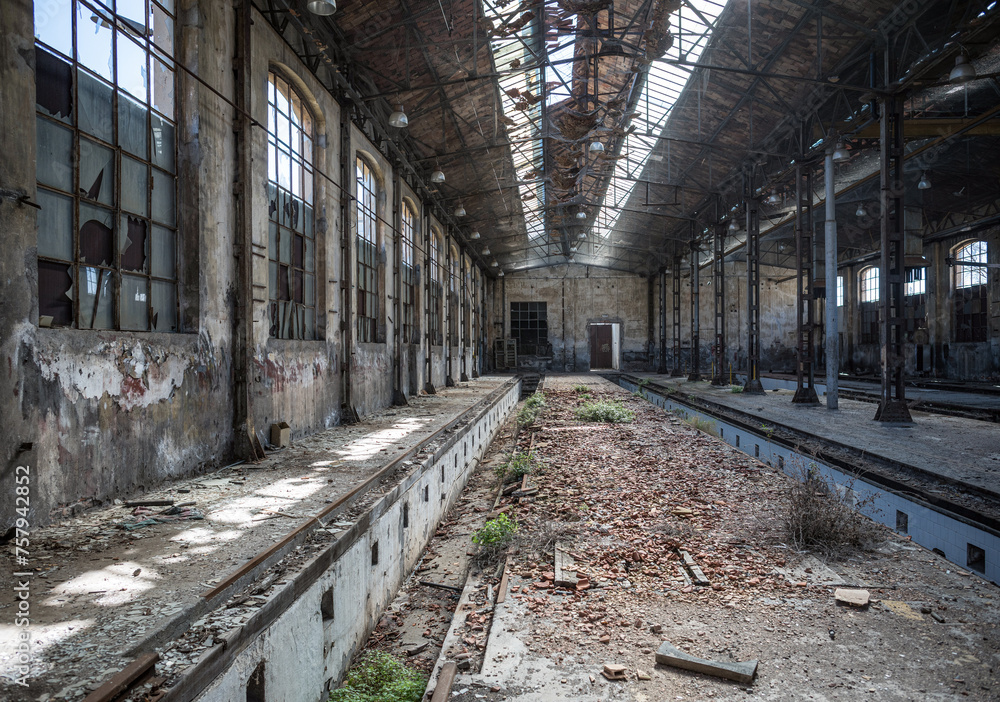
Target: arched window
291	235
971	301
868	282
408	236
106	166
437	293
367	251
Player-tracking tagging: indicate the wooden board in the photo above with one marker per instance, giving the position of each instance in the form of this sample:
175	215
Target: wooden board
740	672
565	568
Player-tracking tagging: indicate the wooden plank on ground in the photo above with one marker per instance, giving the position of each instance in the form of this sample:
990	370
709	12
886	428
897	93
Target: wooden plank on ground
442	690
740	672
697	574
565	568
502	590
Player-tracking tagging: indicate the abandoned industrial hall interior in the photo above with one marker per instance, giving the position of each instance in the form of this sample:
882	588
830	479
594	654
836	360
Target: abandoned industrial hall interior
529	350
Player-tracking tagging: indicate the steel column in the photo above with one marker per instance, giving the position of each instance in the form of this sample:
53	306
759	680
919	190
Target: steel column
892	404
695	373
449	291
662	366
428	280
752	384
719	283
676	371
463	313
805	388
830	268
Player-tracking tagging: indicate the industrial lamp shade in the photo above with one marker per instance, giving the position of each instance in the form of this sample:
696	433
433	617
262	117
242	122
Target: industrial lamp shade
500	273
581	215
841	154
398	118
486	250
460	212
596	147
734	226
495	264
774	199
925	182
474	236
963	71
582	235
861	212
437	176
573	248
322	7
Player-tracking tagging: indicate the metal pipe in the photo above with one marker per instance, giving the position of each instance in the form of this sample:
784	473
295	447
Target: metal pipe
830	265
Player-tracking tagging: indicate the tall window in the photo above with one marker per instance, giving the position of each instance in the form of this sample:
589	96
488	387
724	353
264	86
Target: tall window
869	283
840	291
409	235
436	292
915	299
367	252
971	302
453	283
106	166
529	325
291	235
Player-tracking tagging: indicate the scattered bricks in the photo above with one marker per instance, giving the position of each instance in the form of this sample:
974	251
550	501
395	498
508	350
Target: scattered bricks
854	598
613	671
606	639
643	675
656	629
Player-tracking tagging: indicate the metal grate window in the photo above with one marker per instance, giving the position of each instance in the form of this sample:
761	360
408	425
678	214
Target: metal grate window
840	291
529	325
971	300
408	235
291	234
915	299
106	166
869	312
367	252
970	276
436	292
453	283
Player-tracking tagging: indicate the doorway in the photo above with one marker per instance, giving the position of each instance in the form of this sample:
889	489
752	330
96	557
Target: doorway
602	346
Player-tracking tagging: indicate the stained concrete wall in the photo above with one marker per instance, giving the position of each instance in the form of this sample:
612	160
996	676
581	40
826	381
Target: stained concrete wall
98	414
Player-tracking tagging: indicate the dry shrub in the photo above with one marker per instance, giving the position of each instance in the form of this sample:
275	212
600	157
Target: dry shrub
821	518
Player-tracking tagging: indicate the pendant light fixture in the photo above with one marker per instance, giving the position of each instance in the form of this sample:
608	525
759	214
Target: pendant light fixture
475	235
323	8
840	153
398	118
580	214
596	147
494	263
774	199
861	212
963	71
460	212
925	182
734	226
500	273
486	250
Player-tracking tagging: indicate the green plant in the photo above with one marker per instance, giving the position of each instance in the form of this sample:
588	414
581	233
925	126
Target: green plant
644	382
702	424
605	411
768	430
736	388
581	389
514	468
381	677
530	410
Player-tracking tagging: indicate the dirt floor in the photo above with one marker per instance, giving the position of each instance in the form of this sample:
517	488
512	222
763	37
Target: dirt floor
623	502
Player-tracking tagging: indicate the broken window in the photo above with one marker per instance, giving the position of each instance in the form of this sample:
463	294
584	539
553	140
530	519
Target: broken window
869	311
408	234
367	252
106	165
291	234
453	282
971	299
436	291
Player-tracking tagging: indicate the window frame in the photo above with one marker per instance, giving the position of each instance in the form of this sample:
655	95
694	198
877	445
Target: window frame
971	313
367	189
408	219
436	329
869	309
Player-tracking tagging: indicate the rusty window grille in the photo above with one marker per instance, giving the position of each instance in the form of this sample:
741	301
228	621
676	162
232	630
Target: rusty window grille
106	166
868	332
529	325
437	293
971	299
367	252
408	236
291	231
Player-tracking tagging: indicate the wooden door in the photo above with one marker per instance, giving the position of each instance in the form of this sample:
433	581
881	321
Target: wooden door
600	346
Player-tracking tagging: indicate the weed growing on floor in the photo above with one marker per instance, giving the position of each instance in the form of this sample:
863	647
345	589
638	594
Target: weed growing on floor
605	411
493	538
530	410
736	388
768	430
381	677
823	518
514	468
702	424
581	389
644	382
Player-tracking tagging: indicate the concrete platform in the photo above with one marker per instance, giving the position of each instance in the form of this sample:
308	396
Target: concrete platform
957	448
101	592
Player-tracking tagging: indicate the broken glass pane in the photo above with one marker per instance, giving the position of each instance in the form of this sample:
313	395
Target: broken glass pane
310	297
132	129
97	172
163	142
297	251
163	253
54	158
283	283
163	88
164	306
298	293
54	24
132	243
55	298
163	197
96	110
310	255
93	41
133	72
96	235
96	311
53	85
133	303
310	325
133	12
272	240
167	4
55	225
272	201
163	29
285	247
135	186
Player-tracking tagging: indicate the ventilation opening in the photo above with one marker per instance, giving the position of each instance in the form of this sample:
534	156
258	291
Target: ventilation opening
938	552
722	433
427	493
326	605
375	553
781	462
902	522
442	470
406	515
976	558
756	450
465	449
255	685
737	441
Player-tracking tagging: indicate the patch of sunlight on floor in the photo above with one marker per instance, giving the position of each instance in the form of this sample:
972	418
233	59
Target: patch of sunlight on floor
371	444
116	584
201	535
43	636
241	511
292	488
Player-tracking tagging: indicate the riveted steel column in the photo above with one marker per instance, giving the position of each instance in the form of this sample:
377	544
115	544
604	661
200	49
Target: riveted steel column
662	366
676	371
695	373
805	389
752	384
719	284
